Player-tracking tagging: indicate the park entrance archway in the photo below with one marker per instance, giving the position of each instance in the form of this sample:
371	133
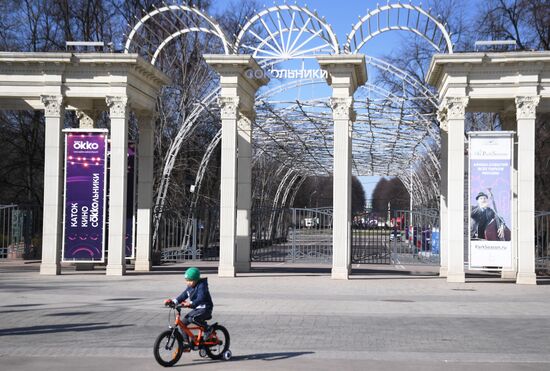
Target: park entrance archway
297	135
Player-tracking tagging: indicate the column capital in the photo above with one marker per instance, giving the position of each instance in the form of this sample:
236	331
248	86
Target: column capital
526	106
118	106
455	107
342	108
53	105
229	107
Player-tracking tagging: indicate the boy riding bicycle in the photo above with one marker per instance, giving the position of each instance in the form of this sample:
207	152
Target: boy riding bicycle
195	296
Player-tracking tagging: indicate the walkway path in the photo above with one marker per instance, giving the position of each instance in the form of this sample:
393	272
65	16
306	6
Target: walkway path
279	317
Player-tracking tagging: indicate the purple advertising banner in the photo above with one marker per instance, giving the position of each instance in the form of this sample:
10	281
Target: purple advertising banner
130	201
84	208
490	200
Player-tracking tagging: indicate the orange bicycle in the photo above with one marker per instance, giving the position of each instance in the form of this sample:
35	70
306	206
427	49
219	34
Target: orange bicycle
179	338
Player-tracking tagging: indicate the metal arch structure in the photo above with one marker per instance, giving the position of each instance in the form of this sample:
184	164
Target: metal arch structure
420	90
295	32
169	22
185	130
295	145
290	172
399	17
298	120
290	31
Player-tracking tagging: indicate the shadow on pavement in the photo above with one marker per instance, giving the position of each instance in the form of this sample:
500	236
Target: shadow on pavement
357	273
64	314
174	269
254	357
21	305
270	356
49	329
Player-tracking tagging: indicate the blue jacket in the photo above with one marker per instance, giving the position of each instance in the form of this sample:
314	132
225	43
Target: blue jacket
199	296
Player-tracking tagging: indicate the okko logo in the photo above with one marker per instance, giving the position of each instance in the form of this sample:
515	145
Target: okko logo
78	144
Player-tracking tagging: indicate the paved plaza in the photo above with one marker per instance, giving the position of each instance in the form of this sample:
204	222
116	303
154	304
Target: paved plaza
280	317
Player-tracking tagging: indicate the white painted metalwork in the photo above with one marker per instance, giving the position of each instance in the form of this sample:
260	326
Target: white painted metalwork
391	135
185	130
282	185
399	17
284	32
174	20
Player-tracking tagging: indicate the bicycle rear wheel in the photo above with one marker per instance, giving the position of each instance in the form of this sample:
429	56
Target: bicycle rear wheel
220	336
168	348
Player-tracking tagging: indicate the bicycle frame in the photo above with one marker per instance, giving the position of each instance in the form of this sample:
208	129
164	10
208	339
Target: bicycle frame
194	339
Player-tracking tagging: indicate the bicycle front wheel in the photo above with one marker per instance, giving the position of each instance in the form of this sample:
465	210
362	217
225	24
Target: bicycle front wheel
168	348
220	336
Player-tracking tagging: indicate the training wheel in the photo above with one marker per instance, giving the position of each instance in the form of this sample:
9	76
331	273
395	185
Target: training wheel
227	355
202	353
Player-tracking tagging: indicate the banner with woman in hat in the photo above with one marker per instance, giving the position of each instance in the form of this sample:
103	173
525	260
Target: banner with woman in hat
490	200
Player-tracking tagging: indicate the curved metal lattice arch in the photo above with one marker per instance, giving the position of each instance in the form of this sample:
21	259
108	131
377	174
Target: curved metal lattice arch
399	17
184	131
286	31
169	22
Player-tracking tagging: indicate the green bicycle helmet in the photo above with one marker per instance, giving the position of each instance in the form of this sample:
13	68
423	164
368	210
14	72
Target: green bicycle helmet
192	274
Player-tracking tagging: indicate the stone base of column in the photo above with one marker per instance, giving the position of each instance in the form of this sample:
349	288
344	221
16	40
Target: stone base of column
443	271
50	269
340	273
526	279
116	270
143	266
512	275
456	277
226	271
242	267
84	267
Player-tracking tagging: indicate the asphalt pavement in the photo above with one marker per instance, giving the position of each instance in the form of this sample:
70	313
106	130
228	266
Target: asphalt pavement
280	317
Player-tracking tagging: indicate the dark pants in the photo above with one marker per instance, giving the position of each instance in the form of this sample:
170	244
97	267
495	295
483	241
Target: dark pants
198	317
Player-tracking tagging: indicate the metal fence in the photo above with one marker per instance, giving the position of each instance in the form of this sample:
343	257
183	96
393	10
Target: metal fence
542	242
415	237
20	231
277	235
189	236
401	237
292	235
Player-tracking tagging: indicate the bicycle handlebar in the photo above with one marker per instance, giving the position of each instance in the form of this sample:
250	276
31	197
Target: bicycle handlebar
177	307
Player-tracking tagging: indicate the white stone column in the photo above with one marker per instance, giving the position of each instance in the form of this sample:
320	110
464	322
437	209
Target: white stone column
53	185
456	108
145	152
526	107
443	199
509	123
343	116
344	73
240	79
118	112
244	191
228	181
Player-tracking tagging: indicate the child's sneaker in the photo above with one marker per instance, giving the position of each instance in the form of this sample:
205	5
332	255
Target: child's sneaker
207	332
